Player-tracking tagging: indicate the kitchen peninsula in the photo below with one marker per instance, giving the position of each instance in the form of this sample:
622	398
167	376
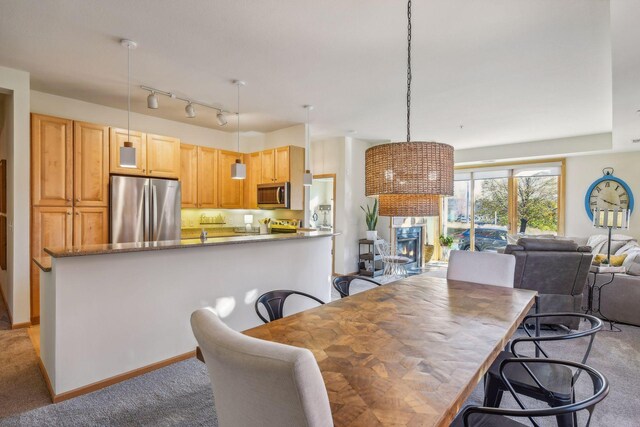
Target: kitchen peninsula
110	312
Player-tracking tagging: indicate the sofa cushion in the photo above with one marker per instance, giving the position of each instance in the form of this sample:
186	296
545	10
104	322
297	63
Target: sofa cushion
633	268
548	245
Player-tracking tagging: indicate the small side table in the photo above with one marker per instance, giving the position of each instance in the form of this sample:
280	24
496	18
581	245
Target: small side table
595	289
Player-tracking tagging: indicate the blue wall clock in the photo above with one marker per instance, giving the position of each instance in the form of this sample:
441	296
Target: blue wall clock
608	192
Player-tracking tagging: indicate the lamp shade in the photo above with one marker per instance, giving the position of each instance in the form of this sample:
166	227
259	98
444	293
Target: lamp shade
614	218
409	177
238	170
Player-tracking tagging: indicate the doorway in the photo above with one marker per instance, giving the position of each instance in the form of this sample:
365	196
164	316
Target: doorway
322	206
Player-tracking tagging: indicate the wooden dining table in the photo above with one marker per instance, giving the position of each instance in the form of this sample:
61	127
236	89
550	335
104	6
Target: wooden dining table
408	353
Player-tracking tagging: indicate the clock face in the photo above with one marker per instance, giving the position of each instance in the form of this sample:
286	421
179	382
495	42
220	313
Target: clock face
608	192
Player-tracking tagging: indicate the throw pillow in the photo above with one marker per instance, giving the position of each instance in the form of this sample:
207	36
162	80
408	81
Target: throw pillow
614	261
634	267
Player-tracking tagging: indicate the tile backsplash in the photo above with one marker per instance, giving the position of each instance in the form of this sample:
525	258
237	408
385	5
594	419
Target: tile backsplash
232	218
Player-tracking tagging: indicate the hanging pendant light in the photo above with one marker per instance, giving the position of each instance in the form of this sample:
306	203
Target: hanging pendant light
307	180
409	177
128	151
238	169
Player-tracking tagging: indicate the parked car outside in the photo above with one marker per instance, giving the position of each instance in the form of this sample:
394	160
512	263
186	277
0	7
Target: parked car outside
487	239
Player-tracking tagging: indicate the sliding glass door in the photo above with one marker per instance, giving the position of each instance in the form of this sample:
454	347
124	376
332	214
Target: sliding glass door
493	205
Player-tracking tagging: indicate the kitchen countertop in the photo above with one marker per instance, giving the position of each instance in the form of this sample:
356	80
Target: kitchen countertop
180	244
43	262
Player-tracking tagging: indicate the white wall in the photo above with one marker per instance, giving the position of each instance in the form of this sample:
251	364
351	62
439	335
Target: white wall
345	158
582	171
16	83
6	106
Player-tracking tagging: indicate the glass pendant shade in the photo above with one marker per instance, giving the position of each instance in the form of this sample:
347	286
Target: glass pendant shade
127	156
307	180
409	177
238	170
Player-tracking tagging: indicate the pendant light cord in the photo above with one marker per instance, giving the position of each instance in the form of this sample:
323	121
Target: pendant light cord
307	143
238	117
409	71
128	93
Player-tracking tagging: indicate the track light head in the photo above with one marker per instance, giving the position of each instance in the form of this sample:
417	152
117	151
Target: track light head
152	101
222	120
190	110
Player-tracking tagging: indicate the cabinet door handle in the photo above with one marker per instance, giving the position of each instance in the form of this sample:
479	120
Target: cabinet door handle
68	199
68	212
150	171
77	213
78	200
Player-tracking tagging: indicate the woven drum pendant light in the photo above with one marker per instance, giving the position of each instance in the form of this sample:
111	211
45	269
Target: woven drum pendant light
409	177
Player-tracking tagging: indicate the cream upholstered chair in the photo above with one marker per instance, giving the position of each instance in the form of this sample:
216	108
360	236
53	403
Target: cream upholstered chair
485	268
257	382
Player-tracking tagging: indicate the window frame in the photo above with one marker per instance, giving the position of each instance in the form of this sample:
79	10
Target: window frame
513	194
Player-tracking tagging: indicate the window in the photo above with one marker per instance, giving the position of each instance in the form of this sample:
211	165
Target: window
492	202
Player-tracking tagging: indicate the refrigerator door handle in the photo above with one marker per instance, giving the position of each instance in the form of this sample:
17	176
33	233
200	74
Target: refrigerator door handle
154	197
145	214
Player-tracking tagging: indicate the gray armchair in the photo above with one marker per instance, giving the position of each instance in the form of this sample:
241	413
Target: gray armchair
557	269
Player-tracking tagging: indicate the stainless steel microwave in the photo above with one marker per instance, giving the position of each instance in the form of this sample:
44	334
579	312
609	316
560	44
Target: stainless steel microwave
274	196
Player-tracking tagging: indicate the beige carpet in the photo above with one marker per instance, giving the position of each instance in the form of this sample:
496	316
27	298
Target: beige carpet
22	387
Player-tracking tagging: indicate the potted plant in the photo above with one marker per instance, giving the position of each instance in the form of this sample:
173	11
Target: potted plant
445	244
371	218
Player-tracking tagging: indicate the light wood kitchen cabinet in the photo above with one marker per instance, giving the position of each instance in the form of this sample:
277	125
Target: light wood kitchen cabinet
91	164
207	177
230	191
254	177
163	156
51	227
90	226
268	159
282	164
139	141
189	175
51	161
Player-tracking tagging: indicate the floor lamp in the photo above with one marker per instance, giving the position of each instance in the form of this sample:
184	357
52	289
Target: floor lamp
611	219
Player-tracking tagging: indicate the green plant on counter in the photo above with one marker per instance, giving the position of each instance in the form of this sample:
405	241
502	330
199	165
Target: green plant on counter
445	241
371	215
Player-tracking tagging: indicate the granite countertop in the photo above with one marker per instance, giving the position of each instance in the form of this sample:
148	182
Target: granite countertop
180	244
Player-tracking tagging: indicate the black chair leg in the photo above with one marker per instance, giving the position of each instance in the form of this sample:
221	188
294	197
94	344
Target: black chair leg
565	420
492	392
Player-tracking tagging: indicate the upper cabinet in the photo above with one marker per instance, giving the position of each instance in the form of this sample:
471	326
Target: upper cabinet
254	177
51	161
138	141
207	177
282	165
91	164
163	156
189	175
268	173
230	191
156	155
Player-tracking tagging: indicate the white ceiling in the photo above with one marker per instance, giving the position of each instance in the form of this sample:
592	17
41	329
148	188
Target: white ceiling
507	70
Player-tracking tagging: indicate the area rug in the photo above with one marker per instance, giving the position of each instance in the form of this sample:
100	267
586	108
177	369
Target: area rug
22	387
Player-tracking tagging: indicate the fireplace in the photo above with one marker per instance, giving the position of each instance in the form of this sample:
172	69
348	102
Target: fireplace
409	244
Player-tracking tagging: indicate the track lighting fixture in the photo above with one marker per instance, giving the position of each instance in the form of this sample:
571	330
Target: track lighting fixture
152	101
190	110
222	120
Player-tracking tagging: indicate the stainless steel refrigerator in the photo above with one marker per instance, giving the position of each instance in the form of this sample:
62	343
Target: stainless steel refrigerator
144	209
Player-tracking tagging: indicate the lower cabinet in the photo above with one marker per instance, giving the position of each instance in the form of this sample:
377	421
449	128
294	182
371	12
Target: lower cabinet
90	226
55	227
51	226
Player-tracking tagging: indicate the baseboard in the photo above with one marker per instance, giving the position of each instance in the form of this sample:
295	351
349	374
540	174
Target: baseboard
20	325
55	398
47	381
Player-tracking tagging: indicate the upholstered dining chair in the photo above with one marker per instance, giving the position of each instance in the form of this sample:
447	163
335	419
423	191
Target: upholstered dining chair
486	268
257	382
